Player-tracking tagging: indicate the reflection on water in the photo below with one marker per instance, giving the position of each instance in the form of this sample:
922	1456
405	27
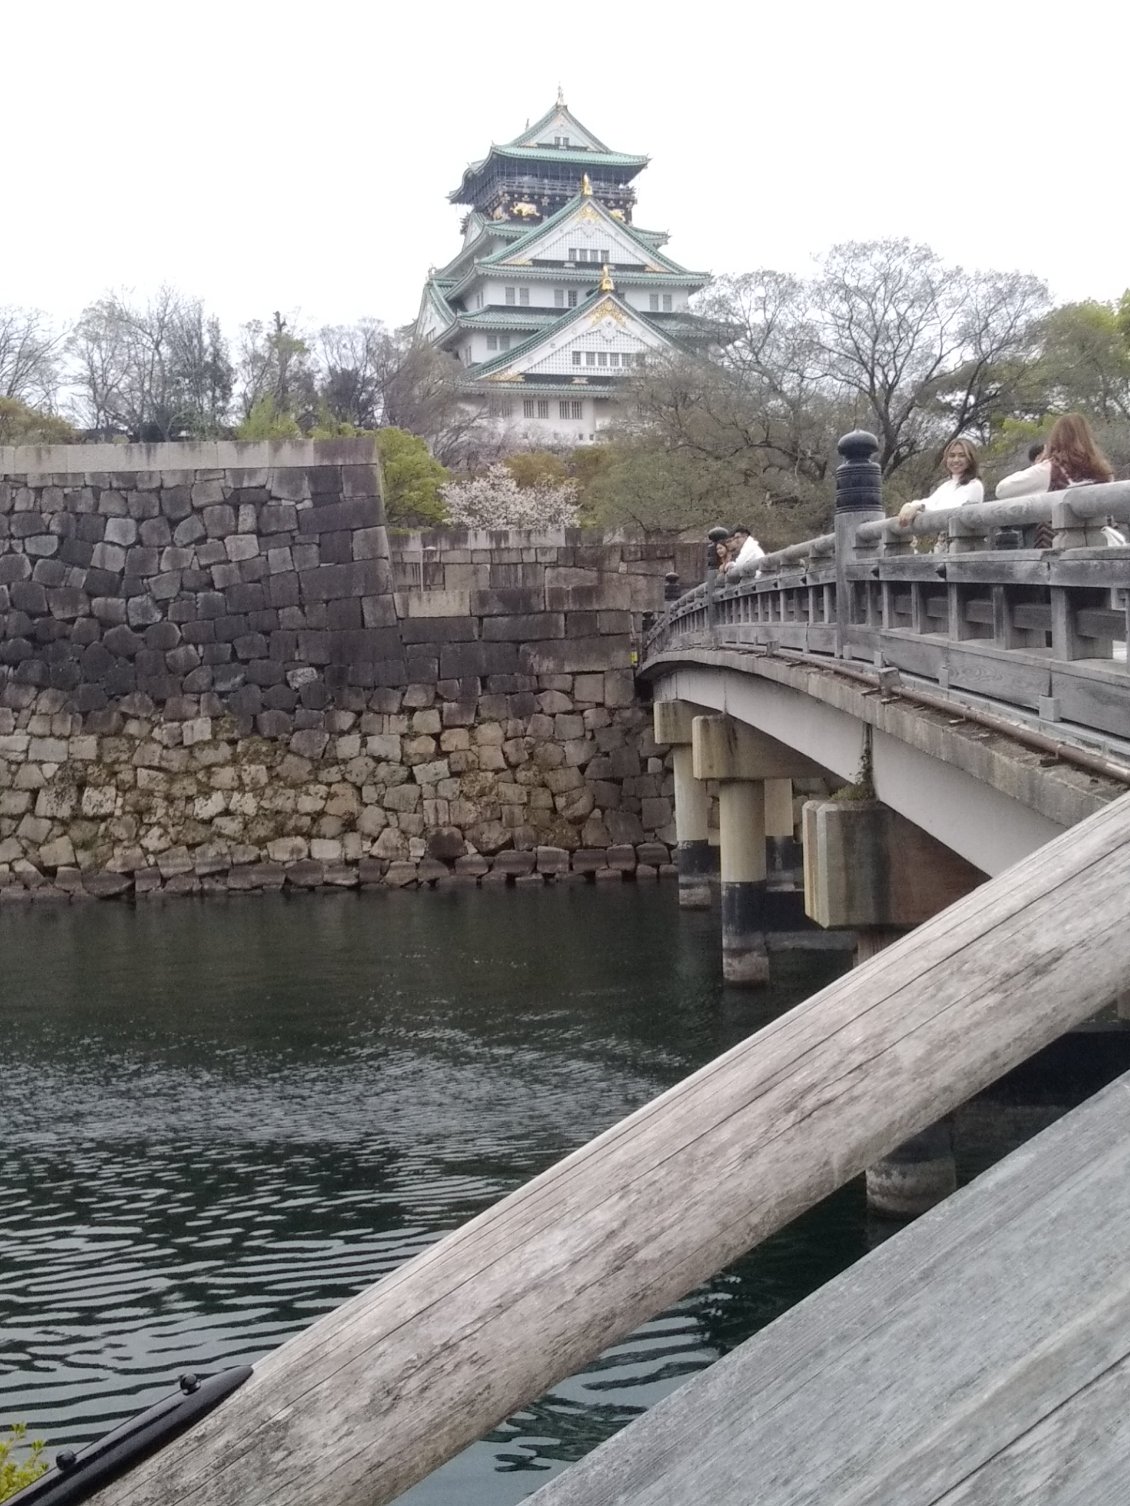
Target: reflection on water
221	1119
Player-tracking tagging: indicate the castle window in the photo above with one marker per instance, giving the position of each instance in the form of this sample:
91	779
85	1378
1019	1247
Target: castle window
528	407
577	410
576	358
543	407
563	298
501	407
511	295
524	296
571	298
563	409
590	357
667	303
653	302
614	358
562	141
559	298
498	342
602	358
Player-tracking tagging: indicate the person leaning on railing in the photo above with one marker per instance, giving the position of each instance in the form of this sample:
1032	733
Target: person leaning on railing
962	484
743	550
1070	457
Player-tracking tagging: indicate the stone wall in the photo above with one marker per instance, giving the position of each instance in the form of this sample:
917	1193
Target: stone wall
207	682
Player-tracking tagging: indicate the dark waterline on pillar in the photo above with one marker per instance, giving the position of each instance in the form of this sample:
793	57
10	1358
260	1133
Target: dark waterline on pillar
744	956
697	863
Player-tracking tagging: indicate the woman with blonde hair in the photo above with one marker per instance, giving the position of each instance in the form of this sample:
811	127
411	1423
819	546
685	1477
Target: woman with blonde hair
1070	458
962	484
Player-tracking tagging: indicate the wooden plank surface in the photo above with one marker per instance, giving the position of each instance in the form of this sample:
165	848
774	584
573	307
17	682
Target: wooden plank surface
979	1357
374	1396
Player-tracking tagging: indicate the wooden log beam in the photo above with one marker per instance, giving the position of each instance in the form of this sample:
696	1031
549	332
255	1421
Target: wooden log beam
372	1397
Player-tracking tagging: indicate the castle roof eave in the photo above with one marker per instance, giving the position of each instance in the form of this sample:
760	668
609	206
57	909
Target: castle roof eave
582	272
578	201
484	369
587	162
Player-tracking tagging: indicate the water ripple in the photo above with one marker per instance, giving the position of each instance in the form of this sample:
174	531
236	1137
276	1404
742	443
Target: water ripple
218	1125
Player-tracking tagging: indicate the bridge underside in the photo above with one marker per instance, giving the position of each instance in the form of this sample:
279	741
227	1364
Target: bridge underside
987	798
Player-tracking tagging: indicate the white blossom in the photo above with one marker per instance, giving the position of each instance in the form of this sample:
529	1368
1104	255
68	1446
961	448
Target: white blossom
495	500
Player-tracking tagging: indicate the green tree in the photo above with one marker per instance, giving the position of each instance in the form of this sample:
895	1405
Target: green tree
21	424
266	422
14	1473
532	467
275	365
1084	361
412	479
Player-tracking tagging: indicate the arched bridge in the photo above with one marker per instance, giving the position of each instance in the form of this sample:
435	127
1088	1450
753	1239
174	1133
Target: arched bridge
979	690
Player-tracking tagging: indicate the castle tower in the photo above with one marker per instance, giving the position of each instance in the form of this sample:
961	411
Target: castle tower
556	296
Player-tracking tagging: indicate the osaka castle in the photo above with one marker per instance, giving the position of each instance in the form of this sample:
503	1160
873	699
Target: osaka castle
556	295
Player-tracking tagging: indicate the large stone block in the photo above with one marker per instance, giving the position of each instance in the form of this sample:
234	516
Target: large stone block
614	593
459	659
439	629
523	628
575	655
359	578
333	516
505	603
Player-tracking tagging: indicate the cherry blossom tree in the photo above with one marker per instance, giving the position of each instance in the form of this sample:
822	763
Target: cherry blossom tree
495	500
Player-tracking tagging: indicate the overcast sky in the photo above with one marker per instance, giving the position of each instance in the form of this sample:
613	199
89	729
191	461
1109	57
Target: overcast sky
299	157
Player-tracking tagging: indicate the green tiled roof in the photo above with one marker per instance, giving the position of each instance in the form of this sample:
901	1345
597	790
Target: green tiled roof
536	231
568	316
529	135
583	272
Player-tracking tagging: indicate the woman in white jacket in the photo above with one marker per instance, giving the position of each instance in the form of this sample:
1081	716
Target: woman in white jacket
962	484
1070	458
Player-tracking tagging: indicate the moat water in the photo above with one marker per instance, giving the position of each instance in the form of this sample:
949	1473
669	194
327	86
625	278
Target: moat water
220	1119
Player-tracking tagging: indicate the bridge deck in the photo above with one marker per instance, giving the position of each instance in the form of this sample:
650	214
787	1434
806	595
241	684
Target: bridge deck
979	1357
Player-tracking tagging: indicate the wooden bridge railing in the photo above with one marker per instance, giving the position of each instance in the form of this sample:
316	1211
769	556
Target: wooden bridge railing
1042	629
373	1396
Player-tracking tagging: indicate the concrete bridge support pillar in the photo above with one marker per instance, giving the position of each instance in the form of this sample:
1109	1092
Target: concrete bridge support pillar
741	811
745	763
694	856
869	870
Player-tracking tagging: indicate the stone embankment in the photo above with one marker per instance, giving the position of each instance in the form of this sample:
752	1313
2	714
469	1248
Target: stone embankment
209	681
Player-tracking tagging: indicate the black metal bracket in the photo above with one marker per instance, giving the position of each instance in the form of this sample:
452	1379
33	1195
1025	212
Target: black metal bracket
79	1473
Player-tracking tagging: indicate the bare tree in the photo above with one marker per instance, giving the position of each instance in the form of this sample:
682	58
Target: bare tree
924	348
885	336
30	348
152	371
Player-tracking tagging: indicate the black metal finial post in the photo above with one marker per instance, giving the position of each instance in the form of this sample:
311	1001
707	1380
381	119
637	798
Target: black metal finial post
859	499
859	481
